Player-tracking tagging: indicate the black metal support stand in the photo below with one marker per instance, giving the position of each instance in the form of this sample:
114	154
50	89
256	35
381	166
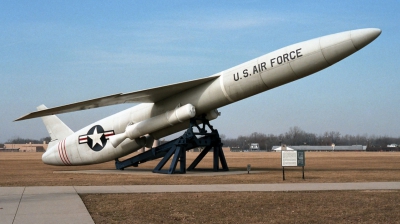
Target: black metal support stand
178	147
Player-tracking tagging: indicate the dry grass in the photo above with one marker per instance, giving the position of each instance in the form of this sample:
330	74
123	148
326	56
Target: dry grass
26	169
246	207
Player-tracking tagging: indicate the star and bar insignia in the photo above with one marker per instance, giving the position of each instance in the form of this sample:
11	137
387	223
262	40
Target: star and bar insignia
96	138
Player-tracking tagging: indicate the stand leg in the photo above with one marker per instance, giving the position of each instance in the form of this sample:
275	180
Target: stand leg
199	158
161	164
216	158
175	160
283	172
182	160
223	160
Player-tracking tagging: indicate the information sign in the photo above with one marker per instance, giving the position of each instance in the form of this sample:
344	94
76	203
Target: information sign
293	158
301	160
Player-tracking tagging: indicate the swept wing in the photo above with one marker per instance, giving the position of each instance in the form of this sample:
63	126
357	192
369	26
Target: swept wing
144	96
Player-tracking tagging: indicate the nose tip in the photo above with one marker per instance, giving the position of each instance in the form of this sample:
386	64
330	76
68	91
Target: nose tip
363	37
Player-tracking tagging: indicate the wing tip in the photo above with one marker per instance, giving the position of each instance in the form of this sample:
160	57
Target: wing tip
29	116
25	117
20	118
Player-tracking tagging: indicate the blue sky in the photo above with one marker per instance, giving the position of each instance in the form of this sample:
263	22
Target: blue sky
60	52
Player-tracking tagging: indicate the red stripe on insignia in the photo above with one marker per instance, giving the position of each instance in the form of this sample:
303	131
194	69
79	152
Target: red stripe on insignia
82	139
108	134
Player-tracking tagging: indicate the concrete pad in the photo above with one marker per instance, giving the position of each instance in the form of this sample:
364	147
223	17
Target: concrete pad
100	189
50	204
9	204
8	207
9	201
43	205
63	204
241	187
49	190
7	219
11	190
149	172
53	218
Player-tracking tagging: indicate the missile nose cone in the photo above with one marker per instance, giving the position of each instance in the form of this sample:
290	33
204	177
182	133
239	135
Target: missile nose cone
362	37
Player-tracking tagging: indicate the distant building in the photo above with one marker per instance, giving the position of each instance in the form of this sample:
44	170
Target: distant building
254	146
392	146
236	149
325	148
29	147
283	147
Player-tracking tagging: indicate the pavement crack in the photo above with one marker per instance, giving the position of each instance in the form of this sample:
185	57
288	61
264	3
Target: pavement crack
20	199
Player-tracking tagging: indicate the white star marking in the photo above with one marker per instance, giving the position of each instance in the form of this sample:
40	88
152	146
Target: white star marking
96	138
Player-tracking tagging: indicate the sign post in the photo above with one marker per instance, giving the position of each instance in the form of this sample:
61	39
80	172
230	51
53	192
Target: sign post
292	158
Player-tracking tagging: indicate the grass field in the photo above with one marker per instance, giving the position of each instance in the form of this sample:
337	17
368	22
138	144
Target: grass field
26	169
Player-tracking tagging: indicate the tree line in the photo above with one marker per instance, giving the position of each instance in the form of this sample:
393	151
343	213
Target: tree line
297	136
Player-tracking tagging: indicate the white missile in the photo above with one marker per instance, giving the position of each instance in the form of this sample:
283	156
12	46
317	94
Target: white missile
158	116
169	118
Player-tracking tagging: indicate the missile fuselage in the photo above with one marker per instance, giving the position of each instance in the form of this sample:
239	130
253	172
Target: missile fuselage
91	144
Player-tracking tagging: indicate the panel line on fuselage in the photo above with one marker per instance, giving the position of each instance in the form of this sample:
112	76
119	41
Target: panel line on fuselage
221	83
